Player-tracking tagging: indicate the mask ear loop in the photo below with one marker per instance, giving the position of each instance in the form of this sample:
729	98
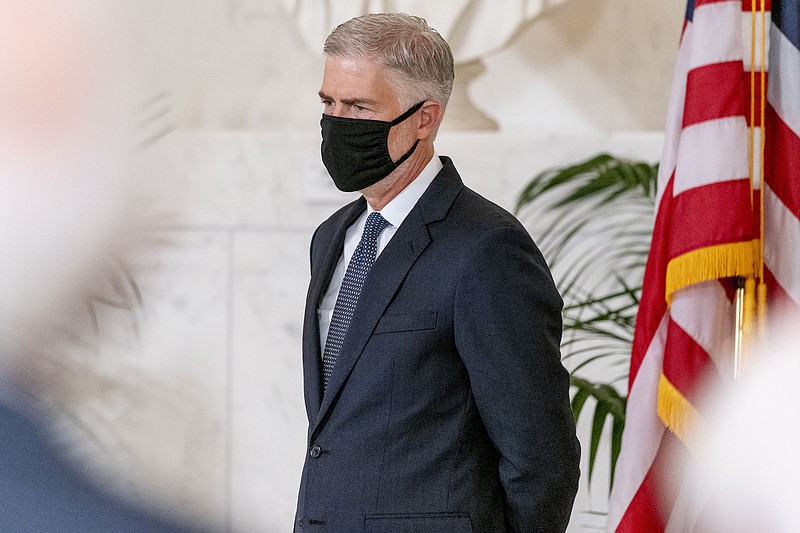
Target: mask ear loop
408	113
400	119
405	155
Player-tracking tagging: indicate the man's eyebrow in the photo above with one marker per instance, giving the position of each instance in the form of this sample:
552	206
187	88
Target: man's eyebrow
359	101
349	101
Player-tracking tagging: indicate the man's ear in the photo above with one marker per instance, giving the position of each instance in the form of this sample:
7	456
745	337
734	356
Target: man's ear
430	115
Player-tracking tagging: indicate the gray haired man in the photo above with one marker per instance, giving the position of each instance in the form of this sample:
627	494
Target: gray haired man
434	390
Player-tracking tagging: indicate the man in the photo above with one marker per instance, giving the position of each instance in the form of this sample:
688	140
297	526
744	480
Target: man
433	385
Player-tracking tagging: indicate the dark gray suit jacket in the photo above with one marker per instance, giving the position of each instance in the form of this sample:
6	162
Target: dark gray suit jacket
448	407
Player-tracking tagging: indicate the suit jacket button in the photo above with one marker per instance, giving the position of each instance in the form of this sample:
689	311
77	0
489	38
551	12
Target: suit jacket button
315	451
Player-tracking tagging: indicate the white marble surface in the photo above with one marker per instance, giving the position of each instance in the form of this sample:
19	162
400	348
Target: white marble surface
244	179
145	396
268	420
588	66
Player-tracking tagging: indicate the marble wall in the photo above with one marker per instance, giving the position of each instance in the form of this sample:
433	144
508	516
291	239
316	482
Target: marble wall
194	401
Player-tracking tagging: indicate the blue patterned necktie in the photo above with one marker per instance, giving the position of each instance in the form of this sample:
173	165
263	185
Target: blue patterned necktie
357	270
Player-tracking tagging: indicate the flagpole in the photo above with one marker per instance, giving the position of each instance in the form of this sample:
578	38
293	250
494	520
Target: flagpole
739	337
749	301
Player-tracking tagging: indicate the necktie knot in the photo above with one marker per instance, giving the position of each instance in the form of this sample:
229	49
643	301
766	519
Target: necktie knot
373	227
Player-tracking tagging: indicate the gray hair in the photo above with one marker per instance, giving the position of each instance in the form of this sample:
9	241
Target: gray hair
419	60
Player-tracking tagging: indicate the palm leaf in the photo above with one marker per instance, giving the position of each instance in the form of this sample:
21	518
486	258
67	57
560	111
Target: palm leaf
593	222
608	403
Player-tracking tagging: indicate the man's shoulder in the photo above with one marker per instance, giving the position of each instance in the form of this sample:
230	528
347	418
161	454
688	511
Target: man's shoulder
477	214
467	208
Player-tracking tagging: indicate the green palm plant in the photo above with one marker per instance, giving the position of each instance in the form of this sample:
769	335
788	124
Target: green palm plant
593	222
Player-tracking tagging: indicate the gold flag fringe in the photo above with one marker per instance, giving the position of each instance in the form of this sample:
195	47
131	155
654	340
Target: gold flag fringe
762	305
749	308
711	262
676	412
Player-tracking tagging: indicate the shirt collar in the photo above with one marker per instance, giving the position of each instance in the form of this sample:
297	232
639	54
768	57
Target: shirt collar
396	211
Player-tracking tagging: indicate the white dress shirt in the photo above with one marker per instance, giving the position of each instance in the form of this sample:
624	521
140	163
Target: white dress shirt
395	212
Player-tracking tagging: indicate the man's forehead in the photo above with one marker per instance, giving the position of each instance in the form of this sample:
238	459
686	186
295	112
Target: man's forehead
355	80
353	62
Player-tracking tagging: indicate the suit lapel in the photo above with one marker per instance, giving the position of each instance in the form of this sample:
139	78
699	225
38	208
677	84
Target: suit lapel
323	264
381	284
386	276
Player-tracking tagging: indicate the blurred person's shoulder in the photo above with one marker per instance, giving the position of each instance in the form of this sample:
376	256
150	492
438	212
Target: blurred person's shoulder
40	492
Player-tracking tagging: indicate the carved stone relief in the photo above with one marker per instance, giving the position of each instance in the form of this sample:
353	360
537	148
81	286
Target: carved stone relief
473	28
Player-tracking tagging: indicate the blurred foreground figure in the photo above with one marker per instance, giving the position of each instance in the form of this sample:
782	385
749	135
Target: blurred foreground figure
65	151
746	478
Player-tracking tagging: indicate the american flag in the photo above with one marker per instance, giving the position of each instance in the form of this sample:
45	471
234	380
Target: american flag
708	231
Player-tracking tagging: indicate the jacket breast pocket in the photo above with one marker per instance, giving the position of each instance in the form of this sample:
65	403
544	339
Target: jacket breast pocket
418	523
406	322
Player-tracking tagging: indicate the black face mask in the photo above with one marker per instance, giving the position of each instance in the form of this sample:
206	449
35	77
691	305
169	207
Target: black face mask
356	151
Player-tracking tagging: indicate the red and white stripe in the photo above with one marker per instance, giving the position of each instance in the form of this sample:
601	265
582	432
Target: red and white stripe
705	160
782	192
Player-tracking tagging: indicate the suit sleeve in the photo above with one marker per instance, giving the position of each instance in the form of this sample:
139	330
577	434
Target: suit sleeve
508	333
